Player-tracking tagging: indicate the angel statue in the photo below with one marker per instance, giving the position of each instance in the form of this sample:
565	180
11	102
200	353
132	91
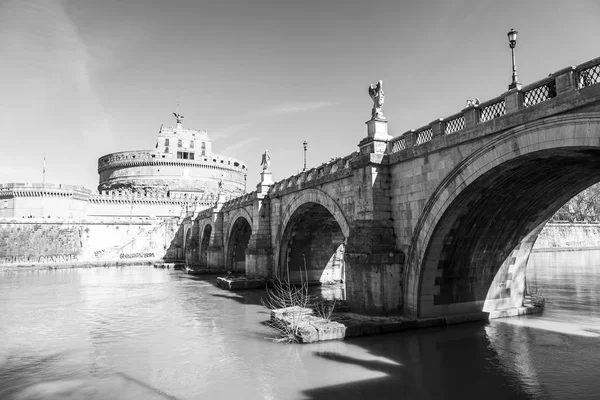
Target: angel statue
376	93
266	160
178	117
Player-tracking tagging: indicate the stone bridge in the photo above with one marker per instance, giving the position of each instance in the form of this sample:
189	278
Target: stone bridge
436	222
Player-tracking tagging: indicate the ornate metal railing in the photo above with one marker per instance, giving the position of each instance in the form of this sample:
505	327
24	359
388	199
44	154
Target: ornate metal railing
539	92
423	135
589	76
397	144
454	124
492	110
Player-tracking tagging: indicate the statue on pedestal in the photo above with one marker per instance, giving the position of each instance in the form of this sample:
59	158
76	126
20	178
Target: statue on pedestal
178	117
376	93
266	160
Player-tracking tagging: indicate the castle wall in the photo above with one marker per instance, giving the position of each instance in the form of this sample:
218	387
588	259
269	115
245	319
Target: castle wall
140	171
39	242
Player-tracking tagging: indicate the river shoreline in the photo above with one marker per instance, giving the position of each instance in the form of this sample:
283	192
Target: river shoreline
107	264
43	267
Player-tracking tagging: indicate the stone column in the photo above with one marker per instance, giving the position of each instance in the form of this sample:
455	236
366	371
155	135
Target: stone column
471	116
566	80
513	100
437	128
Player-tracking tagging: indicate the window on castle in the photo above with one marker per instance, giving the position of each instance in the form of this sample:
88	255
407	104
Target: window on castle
166	149
191	144
191	156
166	141
5	203
203	148
179	143
180	154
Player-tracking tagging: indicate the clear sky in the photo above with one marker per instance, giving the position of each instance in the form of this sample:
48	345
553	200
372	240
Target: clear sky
84	78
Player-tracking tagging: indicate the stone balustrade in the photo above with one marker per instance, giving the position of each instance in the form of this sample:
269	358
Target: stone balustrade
239	201
323	171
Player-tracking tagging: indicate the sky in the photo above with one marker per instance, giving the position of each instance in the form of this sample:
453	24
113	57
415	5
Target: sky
85	78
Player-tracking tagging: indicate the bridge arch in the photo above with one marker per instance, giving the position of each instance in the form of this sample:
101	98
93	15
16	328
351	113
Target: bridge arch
485	215
312	233
238	237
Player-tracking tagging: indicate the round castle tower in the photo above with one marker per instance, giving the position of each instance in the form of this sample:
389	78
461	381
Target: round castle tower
182	163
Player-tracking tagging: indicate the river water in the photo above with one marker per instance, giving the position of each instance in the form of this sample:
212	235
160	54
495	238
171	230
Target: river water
145	333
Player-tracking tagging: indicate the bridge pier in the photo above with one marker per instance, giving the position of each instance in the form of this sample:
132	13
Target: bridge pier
216	248
374	266
259	260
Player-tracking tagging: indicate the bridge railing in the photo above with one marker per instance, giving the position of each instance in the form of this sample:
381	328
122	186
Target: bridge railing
589	73
565	80
453	123
539	92
491	109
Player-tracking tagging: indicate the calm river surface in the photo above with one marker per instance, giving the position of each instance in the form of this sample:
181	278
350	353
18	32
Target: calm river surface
145	333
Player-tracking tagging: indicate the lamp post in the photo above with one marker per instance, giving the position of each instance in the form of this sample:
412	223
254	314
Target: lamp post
512	42
304	144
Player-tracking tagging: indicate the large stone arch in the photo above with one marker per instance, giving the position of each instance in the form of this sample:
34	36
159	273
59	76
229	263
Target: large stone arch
240	226
321	206
541	165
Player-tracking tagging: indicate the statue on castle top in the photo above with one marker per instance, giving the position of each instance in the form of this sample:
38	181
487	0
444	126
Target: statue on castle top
266	160
178	117
376	93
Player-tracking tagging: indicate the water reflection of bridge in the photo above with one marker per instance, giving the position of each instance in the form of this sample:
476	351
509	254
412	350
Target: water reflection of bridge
437	222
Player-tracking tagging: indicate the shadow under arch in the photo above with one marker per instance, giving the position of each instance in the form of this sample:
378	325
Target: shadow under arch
311	239
486	214
190	251
237	244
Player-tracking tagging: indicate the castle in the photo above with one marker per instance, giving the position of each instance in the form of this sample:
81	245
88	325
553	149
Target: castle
181	174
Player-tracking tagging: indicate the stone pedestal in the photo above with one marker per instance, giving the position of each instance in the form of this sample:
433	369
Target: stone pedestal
377	129
266	180
377	137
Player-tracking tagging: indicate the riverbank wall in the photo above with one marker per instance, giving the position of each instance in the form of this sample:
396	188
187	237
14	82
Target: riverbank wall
37	242
568	236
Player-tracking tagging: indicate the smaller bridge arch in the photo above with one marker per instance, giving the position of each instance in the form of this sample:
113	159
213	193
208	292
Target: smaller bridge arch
238	237
311	239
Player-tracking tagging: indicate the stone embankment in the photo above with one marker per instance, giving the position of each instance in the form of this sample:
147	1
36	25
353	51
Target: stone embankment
567	236
53	243
310	328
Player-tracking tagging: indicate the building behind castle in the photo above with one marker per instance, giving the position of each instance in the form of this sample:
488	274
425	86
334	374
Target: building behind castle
180	174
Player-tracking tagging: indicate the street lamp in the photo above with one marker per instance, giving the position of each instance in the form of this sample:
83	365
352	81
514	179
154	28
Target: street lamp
512	42
304	144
